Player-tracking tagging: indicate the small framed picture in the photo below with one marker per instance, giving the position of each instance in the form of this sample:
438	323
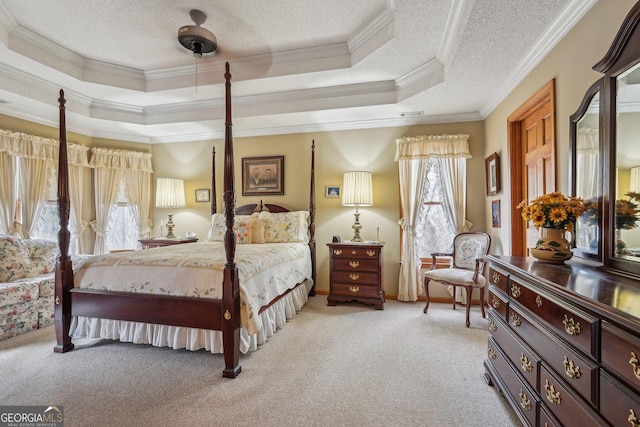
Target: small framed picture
492	171
495	213
203	195
332	191
262	175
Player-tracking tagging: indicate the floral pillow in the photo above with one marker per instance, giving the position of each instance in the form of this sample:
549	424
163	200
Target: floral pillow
247	228
43	254
15	263
284	227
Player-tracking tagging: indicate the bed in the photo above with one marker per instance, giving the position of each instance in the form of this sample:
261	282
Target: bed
218	310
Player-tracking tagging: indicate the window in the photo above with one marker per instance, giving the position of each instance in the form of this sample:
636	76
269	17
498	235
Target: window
122	230
434	232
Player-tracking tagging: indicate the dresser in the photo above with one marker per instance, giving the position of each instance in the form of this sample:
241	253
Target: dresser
159	242
355	273
564	342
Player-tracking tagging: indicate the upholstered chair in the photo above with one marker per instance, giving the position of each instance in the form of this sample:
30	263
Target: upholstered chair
466	268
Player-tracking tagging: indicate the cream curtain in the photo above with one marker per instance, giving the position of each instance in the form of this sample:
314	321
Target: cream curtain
37	156
7	193
110	166
412	155
138	187
587	160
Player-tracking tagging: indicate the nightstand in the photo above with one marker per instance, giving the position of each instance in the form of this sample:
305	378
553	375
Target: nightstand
356	273
163	241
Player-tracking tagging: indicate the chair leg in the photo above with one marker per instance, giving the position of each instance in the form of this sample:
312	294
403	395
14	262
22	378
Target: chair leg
469	290
482	301
426	293
454	297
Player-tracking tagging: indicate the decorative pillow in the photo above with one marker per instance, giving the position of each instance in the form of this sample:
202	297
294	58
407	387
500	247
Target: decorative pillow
284	227
15	262
43	254
248	229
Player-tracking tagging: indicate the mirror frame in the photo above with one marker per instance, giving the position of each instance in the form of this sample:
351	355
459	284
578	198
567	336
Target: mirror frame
623	54
596	88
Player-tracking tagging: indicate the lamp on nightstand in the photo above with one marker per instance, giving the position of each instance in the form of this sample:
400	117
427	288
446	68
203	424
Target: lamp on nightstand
170	194
357	190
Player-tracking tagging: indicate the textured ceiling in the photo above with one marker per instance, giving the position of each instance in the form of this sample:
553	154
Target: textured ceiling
297	66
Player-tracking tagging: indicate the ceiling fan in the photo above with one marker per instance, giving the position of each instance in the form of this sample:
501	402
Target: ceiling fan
195	38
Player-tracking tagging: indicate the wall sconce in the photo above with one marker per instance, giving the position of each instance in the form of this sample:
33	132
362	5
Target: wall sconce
357	190
170	194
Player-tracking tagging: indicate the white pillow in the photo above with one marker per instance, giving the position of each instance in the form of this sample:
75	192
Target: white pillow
284	227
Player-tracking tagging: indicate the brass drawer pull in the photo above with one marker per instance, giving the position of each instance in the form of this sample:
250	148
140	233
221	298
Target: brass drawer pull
539	301
492	325
354	289
515	320
371	253
571	326
526	364
635	364
495	277
633	419
57	300
495	302
515	291
525	403
571	369
354	276
337	251
353	252
553	396
354	264
492	353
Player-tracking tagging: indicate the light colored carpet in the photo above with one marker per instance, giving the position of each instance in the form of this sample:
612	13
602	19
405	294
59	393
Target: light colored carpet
348	365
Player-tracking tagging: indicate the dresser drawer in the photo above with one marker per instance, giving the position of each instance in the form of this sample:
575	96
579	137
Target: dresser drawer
574	325
354	251
498	278
621	354
617	403
523	399
578	371
356	290
565	405
546	419
356	264
498	301
524	360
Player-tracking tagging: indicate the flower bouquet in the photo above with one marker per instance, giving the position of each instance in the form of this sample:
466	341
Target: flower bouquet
553	210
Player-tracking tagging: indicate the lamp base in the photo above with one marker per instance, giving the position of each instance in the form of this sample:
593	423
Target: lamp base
356	228
170	226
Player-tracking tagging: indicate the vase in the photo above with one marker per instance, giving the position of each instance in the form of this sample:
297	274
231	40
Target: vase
552	246
621	246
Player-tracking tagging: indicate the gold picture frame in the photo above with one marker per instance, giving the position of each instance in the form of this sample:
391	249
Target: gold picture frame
492	173
203	195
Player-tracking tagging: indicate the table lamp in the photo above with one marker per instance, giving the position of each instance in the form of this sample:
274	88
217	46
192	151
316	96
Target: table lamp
357	190
170	194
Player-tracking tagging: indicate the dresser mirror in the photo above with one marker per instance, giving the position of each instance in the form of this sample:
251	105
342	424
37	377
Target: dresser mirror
619	216
627	179
586	158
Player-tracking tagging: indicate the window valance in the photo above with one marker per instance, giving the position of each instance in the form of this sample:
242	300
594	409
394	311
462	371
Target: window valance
36	147
427	146
120	159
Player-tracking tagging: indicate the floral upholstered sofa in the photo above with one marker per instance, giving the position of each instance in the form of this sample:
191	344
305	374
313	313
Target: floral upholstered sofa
26	284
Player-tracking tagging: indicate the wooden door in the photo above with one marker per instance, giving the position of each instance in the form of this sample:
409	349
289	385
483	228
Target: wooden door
532	156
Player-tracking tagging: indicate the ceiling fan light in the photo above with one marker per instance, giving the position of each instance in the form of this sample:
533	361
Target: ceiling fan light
197	39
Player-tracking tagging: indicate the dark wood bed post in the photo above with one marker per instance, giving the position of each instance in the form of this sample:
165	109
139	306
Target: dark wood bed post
230	285
312	218
214	195
64	272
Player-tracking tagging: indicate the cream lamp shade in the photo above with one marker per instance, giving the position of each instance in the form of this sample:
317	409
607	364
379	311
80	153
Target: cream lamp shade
357	190
170	194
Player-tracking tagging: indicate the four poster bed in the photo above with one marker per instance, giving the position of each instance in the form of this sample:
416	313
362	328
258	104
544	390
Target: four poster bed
218	294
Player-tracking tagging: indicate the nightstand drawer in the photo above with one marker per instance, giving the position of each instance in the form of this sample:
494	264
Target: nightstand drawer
356	290
356	264
354	251
355	277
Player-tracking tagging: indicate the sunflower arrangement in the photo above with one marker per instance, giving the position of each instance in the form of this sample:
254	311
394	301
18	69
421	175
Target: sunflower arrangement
627	212
553	210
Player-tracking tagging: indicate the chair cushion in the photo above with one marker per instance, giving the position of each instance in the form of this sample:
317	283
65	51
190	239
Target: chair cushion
454	276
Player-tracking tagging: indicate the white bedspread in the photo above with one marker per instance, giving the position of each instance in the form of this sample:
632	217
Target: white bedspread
265	271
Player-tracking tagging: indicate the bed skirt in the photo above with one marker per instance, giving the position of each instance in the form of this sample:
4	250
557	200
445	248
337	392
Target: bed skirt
177	337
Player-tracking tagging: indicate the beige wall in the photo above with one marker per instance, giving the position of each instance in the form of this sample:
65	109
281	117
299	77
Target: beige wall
569	63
